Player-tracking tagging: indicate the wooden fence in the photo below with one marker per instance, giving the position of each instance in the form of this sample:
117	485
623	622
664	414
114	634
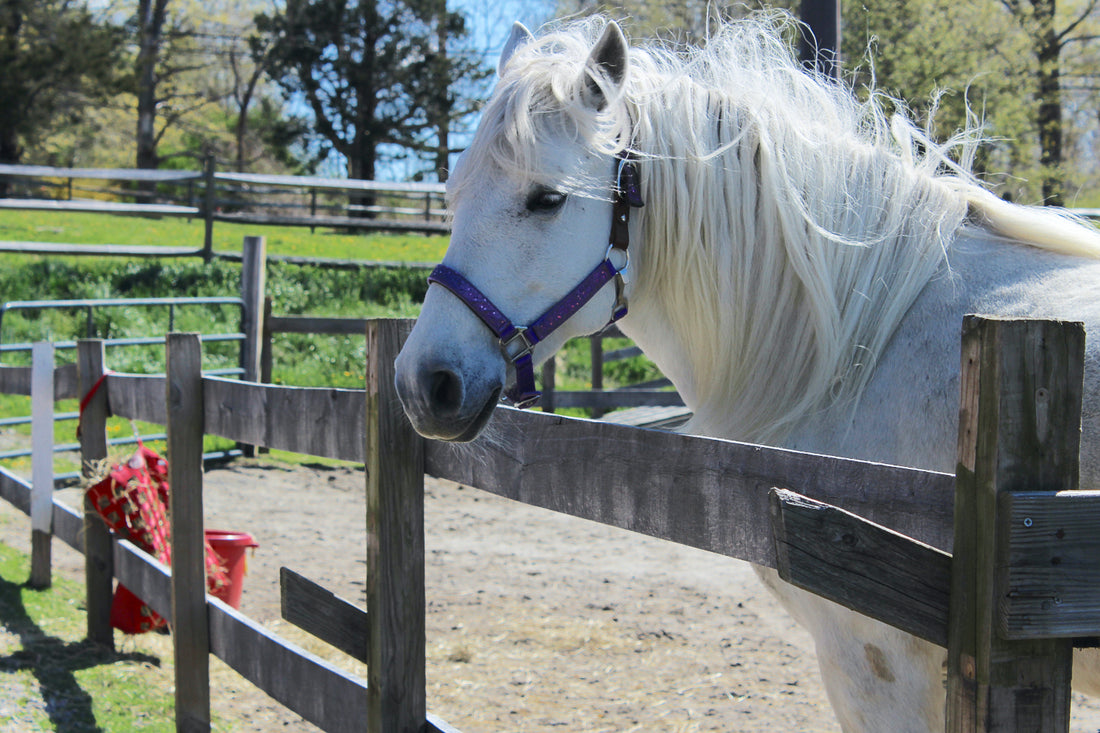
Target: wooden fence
215	196
1009	605
669	405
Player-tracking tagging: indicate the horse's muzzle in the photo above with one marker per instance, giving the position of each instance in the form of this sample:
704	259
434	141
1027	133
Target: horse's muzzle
442	405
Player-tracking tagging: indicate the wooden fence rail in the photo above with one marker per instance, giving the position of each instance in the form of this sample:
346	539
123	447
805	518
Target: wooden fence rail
425	214
883	530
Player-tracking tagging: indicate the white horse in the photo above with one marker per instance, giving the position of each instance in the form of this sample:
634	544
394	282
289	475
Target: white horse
800	271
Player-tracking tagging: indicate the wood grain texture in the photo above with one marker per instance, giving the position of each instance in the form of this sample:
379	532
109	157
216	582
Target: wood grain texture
395	544
1051	581
862	566
705	493
253	283
190	635
138	397
328	697
15	490
317	324
17	380
98	571
318	421
147	577
319	611
610	399
1019	429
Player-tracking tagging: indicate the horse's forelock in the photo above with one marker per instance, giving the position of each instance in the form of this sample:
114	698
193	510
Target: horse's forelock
542	97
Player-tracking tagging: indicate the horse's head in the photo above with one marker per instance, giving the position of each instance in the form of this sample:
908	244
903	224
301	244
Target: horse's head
529	265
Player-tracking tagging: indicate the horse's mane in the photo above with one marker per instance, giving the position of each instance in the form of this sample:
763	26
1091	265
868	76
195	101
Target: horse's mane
790	224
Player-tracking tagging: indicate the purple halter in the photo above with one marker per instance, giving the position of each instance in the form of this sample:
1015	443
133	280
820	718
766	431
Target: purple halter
518	342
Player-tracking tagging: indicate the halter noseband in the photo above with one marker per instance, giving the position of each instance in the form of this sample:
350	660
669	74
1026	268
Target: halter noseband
518	342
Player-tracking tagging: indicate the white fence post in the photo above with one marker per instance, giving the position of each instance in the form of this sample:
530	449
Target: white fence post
42	365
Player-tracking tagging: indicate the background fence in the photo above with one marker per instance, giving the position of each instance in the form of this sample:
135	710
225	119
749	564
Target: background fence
215	196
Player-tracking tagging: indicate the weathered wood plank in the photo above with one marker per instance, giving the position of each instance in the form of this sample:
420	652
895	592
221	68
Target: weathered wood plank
345	184
338	222
15	380
66	382
328	697
862	566
95	206
68	525
396	679
138	397
116	174
190	635
147	577
611	399
15	491
710	494
1019	429
326	422
98	571
1052	577
317	324
99	250
319	611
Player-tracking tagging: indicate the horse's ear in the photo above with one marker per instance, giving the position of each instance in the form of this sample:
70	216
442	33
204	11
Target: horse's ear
519	36
608	61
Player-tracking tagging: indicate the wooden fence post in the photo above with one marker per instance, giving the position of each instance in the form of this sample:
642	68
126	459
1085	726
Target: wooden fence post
42	365
253	284
98	558
1019	430
209	200
190	633
549	378
395	544
595	347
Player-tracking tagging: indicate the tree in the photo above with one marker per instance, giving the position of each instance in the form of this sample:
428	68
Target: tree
1039	20
374	74
56	57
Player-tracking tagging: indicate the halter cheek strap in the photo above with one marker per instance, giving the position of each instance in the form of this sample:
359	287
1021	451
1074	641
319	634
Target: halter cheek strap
518	342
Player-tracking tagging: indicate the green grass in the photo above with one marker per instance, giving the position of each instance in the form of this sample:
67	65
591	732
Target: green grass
65	683
79	228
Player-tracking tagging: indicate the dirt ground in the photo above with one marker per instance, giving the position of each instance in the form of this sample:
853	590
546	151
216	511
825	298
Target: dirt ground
536	621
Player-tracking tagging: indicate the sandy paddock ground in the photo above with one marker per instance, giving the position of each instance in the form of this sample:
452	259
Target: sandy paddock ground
536	621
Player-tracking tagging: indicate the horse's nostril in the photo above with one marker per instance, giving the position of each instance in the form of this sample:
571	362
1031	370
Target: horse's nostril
445	391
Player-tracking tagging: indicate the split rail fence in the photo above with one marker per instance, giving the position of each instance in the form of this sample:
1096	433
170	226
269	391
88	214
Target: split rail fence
219	196
1020	590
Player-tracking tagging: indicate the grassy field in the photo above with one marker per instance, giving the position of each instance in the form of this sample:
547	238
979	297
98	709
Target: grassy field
77	228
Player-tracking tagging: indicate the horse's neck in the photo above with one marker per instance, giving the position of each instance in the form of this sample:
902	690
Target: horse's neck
907	412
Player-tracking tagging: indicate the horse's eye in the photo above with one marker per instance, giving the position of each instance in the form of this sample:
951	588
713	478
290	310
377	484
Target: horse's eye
545	199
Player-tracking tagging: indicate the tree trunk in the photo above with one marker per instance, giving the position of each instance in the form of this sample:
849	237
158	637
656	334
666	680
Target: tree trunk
1048	119
151	16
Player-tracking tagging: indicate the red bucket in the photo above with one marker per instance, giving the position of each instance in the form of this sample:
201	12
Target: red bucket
230	548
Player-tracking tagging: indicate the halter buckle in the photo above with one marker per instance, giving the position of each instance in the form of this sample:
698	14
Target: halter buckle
526	348
623	273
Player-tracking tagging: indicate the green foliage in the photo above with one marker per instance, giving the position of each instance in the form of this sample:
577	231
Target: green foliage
372	74
56	59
